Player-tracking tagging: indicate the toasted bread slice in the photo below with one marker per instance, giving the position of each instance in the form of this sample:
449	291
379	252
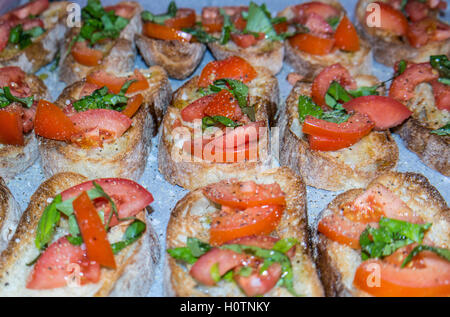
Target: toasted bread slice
309	65
15	159
126	156
135	263
338	263
179	59
190	216
119	58
433	150
9	215
388	49
347	168
190	174
45	47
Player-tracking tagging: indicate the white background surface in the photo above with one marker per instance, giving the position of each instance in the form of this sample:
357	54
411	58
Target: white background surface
166	195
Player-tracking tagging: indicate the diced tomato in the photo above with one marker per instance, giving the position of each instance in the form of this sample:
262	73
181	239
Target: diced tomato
52	123
28	117
195	110
342	230
243	195
212	20
130	197
85	55
35	7
402	87
385	112
123	10
233	138
4	34
231	223
312	44
323	80
60	263
87	90
185	18
224	104
391	19
233	67
115	83
416	10
346	37
258	284
325	10
318	26
281	27
441	95
112	124
93	232
427	30
133	105
14	78
11	131
246	40
427	275
163	32
321	143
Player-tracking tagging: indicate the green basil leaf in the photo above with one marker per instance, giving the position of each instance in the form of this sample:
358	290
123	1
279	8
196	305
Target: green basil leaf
237	88
334	22
134	231
47	224
125	86
212	121
336	116
197	247
445	81
8	98
443	253
66	206
245	271
284	245
260	21
227	28
307	107
183	254
445	130
14	34
111	202
160	19
201	35
75	240
102	99
364	91
74	230
401	66
336	94
228	276
441	64
214	272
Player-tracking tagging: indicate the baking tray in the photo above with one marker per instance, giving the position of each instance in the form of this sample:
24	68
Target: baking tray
167	195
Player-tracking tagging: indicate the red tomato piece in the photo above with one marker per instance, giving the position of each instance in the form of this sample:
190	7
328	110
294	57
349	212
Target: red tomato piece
59	263
258	284
391	19
416	10
385	112
318	26
11	131
441	95
320	143
51	122
233	67
85	55
427	30
325	10
101	78
184	18
246	40
133	105
4	34
32	8
346	37
14	78
163	32
195	110
312	44
123	10
236	137
224	104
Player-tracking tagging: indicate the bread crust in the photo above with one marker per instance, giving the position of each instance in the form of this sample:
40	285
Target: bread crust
388	50
135	263
188	220
337	263
179	59
43	49
15	159
126	156
192	174
344	169
9	215
120	57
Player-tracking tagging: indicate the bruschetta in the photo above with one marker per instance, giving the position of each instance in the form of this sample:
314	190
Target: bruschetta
389	239
249	32
424	89
102	126
105	41
408	30
217	124
9	215
324	35
222	236
82	237
19	96
336	130
31	35
165	42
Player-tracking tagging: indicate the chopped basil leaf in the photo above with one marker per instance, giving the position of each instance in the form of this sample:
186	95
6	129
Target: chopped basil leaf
239	91
212	121
47	224
183	254
74	230
441	64
334	22
227	28
214	272
445	81
259	20
23	38
307	107
444	253
335	95
401	66
445	130
284	245
391	235
201	35
66	206
197	247
134	231
7	98
364	91
245	271
228	276
75	240
161	18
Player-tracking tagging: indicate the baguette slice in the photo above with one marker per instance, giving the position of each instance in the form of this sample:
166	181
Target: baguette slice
388	49
338	263
347	168
135	264
190	216
126	156
45	47
433	150
190	174
120	57
309	65
179	59
9	215
15	159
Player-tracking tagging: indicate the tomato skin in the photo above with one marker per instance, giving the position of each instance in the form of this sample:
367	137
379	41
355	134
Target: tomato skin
441	95
122	9
93	232
325	10
195	110
86	55
385	112
391	19
416	10
258	284
133	105
51	122
114	83
11	131
233	67
427	30
185	18
320	143
246	40
32	8
162	32
312	44
281	27
223	104
346	37
259	220
338	228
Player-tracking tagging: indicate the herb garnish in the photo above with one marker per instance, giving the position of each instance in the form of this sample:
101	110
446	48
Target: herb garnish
212	121
23	38
445	130
160	19
7	98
